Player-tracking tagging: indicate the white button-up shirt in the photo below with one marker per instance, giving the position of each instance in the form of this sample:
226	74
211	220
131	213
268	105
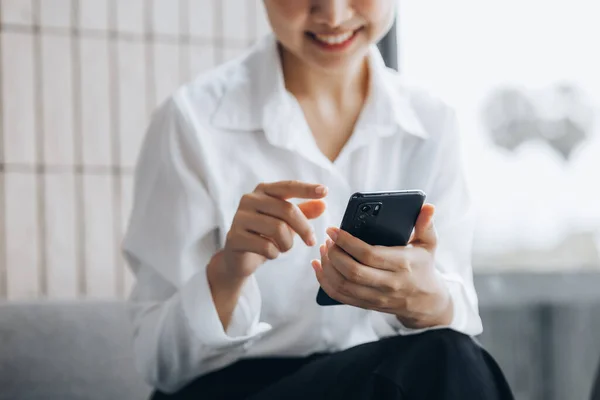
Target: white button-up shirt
214	140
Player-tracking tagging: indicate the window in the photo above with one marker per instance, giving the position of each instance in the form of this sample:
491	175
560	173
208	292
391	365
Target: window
524	78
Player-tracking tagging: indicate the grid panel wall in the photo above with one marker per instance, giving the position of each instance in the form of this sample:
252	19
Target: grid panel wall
78	82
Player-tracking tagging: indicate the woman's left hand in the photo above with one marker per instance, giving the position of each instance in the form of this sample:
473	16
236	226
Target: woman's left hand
395	280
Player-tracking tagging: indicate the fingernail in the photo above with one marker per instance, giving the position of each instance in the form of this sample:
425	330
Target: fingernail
322	250
333	233
321	189
329	243
315	265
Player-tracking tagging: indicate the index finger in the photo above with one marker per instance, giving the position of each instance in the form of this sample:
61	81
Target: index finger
293	189
373	256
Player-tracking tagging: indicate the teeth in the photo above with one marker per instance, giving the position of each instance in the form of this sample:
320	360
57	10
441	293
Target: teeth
334	39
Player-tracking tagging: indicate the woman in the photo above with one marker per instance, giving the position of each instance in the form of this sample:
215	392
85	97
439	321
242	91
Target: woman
230	203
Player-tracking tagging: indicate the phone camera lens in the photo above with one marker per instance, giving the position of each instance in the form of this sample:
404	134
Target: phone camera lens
366	208
362	216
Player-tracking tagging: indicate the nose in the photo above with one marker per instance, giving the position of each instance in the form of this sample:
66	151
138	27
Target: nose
331	12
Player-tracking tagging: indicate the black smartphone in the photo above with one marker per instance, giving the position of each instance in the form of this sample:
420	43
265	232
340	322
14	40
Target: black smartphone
380	219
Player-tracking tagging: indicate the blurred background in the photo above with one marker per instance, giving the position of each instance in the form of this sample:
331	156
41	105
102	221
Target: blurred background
80	78
526	85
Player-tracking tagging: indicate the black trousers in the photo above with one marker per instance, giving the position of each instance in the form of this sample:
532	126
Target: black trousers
436	365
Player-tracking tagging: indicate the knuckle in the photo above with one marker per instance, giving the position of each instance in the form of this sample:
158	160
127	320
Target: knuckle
398	286
281	229
386	264
239	220
394	285
406	264
363	256
382	302
286	246
269	250
260	187
378	259
230	237
286	243
355	274
289	210
371	257
273	252
245	201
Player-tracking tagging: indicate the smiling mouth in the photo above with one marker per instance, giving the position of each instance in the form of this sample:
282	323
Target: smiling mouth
334	40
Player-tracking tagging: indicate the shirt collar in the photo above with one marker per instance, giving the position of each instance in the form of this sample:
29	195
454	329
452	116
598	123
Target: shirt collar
255	98
389	104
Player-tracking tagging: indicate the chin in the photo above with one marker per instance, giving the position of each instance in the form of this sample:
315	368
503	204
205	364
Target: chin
335	66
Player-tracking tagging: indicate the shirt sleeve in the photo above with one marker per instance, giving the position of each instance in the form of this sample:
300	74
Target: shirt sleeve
455	223
172	234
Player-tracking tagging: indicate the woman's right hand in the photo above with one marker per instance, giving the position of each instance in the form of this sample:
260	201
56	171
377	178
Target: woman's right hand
265	224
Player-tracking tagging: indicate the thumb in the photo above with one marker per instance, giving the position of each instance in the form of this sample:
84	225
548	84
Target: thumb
313	208
424	234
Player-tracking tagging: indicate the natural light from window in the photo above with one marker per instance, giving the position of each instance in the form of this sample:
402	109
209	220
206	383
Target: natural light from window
538	195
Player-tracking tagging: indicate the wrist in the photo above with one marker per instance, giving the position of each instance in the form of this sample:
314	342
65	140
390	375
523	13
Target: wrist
219	277
446	306
438	310
224	288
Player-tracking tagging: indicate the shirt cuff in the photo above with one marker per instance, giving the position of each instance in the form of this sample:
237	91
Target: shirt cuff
466	318
201	313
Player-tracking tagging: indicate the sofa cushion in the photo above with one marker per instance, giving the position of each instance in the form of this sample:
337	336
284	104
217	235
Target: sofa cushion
67	350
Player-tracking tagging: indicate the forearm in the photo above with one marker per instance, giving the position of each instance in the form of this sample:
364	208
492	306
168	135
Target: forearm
225	290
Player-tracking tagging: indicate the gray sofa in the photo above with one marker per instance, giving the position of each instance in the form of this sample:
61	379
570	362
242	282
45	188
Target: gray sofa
82	350
79	350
